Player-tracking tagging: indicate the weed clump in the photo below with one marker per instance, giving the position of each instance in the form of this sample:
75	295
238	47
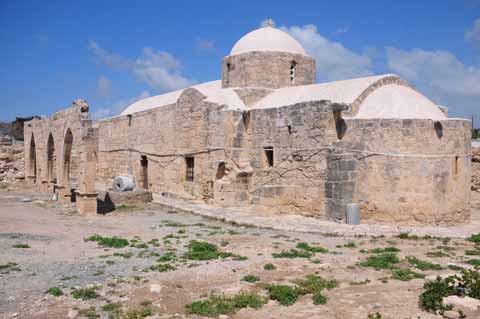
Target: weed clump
162	267
6	268
390	249
269	266
20	245
475	238
381	261
111	242
285	295
251	278
423	265
198	250
405	274
54	291
293	253
84	293
222	305
313	249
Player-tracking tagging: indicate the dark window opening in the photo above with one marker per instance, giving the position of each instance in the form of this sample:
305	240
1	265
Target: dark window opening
221	171
190	162
438	129
293	69
269	155
456	165
246	119
229	68
144	164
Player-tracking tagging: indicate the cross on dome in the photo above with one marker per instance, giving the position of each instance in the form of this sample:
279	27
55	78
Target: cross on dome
269	23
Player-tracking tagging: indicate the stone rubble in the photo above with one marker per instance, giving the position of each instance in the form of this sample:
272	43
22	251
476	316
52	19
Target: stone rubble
476	169
12	165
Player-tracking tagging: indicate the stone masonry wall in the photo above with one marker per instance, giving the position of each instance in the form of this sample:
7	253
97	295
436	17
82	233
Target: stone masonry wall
74	119
431	186
267	70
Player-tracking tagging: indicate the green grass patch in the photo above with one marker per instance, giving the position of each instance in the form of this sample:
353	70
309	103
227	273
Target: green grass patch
472	252
89	313
405	274
84	293
350	244
251	278
110	307
269	266
437	254
473	262
293	253
312	249
381	261
10	266
285	295
20	245
162	267
422	264
217	305
111	242
198	250
475	238
389	249
55	291
123	255
167	257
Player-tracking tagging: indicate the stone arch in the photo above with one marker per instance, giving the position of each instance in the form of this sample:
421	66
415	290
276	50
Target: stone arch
390	79
51	160
32	160
66	157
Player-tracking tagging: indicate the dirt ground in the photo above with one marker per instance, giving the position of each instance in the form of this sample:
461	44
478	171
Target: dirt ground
58	256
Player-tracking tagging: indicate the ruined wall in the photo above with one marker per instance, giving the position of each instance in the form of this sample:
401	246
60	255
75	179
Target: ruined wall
429	184
267	70
165	136
64	172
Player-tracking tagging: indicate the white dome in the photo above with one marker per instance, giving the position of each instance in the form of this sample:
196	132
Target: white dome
398	102
267	39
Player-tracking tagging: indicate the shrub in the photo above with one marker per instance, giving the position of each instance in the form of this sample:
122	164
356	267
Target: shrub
350	244
285	295
423	265
435	291
85	294
269	267
250	278
292	253
112	242
474	262
319	299
313	249
222	305
55	291
374	315
198	250
166	257
312	284
475	238
382	261
109	307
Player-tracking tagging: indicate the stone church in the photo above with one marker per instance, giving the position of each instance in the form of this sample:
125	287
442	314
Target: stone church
268	137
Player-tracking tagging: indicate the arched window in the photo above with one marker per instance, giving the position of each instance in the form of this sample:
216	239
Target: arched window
293	69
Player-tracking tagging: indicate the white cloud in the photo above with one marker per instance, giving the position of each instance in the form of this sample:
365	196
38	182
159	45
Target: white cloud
204	44
118	106
160	70
104	86
334	61
441	76
473	34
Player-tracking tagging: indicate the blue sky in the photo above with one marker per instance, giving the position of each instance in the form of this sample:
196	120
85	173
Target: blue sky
114	52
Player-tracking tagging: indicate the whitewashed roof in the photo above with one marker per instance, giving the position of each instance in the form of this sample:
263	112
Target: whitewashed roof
212	90
388	101
398	102
267	39
339	91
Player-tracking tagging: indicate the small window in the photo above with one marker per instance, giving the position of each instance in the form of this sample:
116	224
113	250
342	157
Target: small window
190	162
293	69
269	155
229	68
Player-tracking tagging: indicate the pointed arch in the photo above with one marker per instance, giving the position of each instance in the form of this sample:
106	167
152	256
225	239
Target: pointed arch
51	160
32	159
67	154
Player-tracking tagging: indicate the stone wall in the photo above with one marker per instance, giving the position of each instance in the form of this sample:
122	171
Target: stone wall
62	171
267	70
476	169
404	171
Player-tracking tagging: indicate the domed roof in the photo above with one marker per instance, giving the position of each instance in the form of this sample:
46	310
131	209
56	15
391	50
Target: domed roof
267	38
400	102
